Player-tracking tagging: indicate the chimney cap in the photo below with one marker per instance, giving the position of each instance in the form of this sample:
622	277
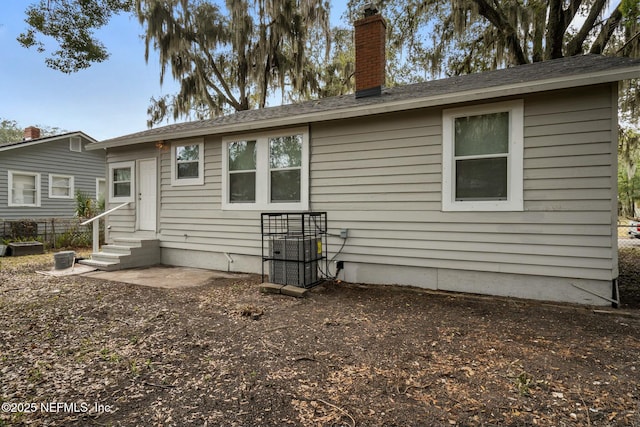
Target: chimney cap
370	9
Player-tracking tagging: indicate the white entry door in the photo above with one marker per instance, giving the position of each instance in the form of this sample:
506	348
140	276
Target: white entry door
147	194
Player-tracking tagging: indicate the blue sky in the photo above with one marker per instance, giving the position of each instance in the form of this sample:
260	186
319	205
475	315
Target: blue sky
107	100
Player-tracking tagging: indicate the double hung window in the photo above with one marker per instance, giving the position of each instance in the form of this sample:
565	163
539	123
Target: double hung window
285	165
60	186
121	186
24	189
187	163
242	171
483	158
269	171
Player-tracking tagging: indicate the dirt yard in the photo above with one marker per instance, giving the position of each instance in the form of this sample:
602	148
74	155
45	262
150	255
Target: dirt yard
629	277
78	351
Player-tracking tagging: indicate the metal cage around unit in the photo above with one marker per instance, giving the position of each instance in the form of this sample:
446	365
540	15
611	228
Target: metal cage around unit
294	244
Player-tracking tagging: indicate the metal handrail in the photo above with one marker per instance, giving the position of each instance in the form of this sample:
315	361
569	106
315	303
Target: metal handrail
96	225
105	213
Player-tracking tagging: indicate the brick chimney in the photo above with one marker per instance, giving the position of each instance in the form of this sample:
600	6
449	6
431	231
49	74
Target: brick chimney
370	35
31	132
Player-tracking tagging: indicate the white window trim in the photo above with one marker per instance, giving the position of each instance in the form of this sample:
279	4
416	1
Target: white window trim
75	144
263	179
515	172
119	165
10	189
71	186
98	181
174	172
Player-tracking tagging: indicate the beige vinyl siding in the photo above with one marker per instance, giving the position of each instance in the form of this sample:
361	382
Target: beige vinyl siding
557	139
380	177
191	216
377	163
123	221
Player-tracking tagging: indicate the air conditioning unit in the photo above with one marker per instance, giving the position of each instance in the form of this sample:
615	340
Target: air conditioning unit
294	260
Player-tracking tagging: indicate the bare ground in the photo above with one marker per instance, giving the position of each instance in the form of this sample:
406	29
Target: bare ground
629	277
224	354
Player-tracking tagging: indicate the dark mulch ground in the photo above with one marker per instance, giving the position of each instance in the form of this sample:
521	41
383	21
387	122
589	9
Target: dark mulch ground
226	355
629	277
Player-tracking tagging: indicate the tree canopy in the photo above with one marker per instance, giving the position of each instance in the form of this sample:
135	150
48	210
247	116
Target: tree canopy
234	55
628	176
11	131
233	58
464	36
71	24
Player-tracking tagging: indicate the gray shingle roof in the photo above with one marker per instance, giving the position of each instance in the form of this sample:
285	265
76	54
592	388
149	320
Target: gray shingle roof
44	139
566	72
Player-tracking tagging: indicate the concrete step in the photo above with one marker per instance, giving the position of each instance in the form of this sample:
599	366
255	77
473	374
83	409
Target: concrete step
108	257
100	265
132	242
126	252
117	249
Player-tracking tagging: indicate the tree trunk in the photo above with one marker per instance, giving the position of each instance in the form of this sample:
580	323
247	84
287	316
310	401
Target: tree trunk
538	34
555	30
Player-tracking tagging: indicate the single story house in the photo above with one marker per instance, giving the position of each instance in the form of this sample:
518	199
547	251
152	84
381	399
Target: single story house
502	183
40	175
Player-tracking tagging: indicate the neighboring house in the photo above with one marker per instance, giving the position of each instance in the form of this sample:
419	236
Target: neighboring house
499	183
39	176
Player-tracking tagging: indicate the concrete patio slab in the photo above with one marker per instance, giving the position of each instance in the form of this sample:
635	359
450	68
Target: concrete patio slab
74	270
161	276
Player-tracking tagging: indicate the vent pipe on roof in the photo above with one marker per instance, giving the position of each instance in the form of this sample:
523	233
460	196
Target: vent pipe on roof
370	9
31	132
370	38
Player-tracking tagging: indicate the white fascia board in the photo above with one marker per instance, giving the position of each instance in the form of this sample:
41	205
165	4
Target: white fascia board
479	94
49	139
26	144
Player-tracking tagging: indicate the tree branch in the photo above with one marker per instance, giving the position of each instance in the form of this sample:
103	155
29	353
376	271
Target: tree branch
570	12
502	24
574	46
607	31
628	42
227	94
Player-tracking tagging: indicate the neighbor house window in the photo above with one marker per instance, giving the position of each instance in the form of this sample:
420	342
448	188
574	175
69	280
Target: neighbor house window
121	184
267	171
101	187
482	150
187	163
60	186
24	189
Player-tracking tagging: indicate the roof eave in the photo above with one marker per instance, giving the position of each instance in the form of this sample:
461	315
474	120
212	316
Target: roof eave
48	139
521	88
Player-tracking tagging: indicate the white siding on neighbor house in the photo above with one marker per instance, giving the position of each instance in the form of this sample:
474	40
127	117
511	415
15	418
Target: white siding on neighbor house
53	157
380	177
